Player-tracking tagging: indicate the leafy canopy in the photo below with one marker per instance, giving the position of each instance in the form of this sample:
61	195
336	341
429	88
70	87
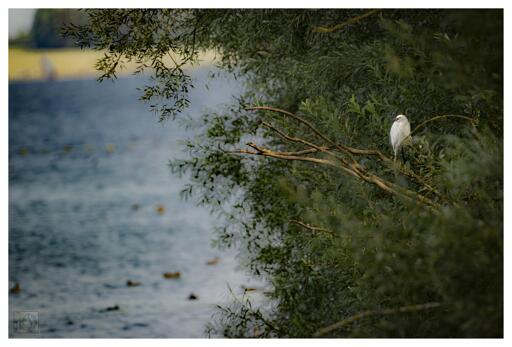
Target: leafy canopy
353	243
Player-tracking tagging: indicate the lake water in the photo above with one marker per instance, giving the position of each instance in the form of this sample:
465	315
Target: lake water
87	174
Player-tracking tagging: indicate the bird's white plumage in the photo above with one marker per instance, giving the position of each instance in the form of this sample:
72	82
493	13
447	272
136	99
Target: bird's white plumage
400	130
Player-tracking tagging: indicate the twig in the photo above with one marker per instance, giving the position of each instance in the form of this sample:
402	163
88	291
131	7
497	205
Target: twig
307	143
303	152
281	155
274	154
326	149
176	65
303	121
344	24
312	228
340	147
294	139
367	313
472	120
307	151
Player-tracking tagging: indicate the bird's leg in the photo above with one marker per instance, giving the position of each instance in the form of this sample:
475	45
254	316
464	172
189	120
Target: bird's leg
403	154
395	167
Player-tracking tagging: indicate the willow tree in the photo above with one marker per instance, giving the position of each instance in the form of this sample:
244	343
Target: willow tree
300	166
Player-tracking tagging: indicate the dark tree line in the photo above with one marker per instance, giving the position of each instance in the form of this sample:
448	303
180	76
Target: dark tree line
46	31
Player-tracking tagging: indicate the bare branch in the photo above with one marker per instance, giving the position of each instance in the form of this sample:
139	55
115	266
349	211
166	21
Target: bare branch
341	147
312	228
294	139
356	151
351	169
303	152
344	24
307	151
294	116
274	154
368	313
242	151
402	168
371	152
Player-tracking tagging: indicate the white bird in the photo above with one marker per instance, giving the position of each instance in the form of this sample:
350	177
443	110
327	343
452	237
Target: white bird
400	130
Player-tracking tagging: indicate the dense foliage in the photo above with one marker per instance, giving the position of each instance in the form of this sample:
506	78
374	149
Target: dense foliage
353	243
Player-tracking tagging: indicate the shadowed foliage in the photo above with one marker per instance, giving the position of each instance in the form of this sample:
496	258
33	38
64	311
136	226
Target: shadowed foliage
352	243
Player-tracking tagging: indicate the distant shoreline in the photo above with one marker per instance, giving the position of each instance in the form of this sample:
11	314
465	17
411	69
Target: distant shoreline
64	63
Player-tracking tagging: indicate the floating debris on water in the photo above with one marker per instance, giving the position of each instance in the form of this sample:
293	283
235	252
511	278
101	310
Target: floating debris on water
248	289
16	289
192	296
213	261
131	283
135	207
170	275
160	209
23	151
111	308
88	147
68	148
110	147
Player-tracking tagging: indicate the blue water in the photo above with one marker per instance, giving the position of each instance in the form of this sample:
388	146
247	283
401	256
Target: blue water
87	173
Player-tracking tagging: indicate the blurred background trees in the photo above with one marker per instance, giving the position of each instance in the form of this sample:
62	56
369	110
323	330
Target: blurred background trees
46	29
352	244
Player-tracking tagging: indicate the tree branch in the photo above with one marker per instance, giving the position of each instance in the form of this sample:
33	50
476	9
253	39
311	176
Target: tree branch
312	228
295	139
383	184
280	155
344	24
368	313
294	116
405	171
353	167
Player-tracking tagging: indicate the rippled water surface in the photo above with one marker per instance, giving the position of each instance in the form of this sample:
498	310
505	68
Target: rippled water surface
87	175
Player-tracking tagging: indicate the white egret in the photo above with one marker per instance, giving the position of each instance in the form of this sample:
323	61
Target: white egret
400	130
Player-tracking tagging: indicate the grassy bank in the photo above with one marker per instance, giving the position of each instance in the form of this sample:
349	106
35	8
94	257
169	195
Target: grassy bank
67	63
25	64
